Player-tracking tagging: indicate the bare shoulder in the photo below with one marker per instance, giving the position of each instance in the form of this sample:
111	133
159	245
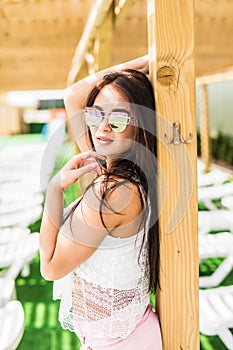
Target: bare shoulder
117	199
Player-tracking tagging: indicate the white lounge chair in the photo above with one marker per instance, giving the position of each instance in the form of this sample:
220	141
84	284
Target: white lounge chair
18	205
23	171
7	290
212	246
29	186
12	234
17	255
23	151
207	194
20	195
12	325
228	202
21	218
214	177
216	313
215	220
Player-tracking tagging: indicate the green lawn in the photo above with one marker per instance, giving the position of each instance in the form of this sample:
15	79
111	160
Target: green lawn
42	330
19	140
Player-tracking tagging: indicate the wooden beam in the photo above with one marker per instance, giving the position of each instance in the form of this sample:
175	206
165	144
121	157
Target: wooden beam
16	33
102	49
97	15
121	10
213	9
29	10
25	82
102	56
225	75
204	128
171	52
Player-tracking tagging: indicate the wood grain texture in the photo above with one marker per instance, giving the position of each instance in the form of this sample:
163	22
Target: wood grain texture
33	31
173	76
103	42
95	20
204	127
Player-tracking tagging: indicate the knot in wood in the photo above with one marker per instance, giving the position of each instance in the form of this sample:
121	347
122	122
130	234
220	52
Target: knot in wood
166	75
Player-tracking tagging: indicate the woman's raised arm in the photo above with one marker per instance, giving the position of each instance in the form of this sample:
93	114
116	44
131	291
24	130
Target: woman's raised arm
76	94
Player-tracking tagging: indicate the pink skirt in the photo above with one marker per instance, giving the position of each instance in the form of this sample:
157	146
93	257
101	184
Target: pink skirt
146	336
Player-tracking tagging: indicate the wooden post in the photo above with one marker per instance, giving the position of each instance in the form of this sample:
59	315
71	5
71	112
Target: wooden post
102	49
95	19
204	127
171	53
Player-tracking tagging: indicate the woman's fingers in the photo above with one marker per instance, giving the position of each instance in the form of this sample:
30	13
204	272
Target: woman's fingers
70	176
89	154
81	159
86	169
86	155
77	166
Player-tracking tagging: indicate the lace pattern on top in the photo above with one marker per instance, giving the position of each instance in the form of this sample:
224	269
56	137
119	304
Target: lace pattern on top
102	312
105	307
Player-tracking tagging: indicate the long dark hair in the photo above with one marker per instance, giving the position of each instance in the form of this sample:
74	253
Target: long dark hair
139	165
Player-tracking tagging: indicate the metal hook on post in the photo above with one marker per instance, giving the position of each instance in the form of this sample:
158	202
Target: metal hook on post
177	139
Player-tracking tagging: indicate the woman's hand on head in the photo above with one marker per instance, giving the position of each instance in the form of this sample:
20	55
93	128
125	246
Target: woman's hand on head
76	167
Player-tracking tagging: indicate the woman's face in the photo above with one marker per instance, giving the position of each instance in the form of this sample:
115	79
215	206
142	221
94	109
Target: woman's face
107	141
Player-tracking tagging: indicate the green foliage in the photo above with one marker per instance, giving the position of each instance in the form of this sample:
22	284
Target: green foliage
35	227
221	147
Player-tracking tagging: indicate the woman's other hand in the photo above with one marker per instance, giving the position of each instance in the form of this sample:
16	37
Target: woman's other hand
76	167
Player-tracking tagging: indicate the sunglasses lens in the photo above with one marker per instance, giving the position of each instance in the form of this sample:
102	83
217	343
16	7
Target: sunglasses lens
93	117
118	120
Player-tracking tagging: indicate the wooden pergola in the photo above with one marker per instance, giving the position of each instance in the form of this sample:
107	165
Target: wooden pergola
51	44
39	37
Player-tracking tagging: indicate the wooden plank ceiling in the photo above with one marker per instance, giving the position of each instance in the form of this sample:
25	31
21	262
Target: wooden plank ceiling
38	38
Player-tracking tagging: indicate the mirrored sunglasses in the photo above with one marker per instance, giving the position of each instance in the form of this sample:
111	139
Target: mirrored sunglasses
118	120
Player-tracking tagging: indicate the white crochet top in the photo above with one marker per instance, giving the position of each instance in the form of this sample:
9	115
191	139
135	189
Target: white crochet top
107	295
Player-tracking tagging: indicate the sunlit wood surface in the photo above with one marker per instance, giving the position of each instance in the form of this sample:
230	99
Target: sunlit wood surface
38	38
174	68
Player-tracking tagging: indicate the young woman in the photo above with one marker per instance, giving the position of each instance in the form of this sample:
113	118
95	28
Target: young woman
104	253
